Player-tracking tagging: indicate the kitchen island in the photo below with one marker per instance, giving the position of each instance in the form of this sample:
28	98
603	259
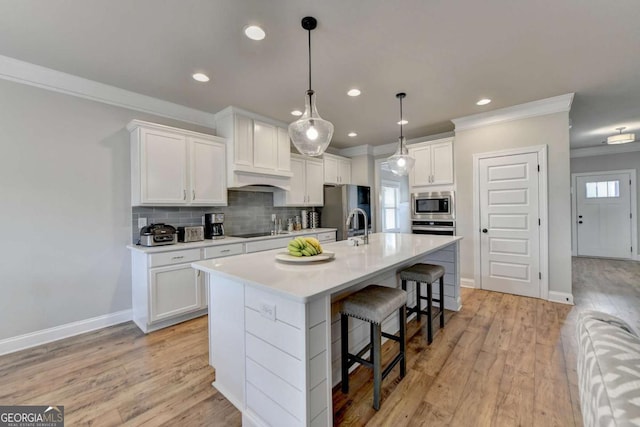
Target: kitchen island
273	327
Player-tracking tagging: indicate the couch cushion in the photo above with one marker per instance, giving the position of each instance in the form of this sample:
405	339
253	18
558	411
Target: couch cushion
608	371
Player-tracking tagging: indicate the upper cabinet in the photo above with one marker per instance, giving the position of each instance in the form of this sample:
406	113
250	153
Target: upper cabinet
337	170
258	149
176	167
434	163
306	184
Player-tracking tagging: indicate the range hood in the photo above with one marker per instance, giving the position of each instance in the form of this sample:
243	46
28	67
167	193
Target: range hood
267	180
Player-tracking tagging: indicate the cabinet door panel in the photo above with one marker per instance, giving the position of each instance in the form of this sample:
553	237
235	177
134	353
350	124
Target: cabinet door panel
265	146
163	169
314	183
284	150
330	170
344	171
243	141
208	184
296	196
421	172
174	291
442	161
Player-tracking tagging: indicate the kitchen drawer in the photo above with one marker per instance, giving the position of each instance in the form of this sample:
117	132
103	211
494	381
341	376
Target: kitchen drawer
175	257
327	236
223	250
265	245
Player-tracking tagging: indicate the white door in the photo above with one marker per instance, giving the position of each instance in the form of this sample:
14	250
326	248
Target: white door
442	161
603	213
344	171
420	174
314	180
265	146
164	167
509	235
175	290
208	184
298	193
284	150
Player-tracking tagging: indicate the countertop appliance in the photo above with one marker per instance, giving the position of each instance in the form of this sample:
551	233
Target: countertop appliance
433	206
440	228
193	233
213	225
158	234
338	202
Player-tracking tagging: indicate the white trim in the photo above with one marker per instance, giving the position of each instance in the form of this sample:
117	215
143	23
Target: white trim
360	150
561	297
44	336
467	283
634	209
541	107
543	209
45	78
604	150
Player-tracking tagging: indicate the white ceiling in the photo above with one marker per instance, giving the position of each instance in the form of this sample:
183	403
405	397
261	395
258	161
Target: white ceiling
445	54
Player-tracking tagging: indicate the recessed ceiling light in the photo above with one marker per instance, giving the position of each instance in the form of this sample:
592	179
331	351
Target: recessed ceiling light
352	134
254	32
483	101
403	122
200	77
353	92
296	113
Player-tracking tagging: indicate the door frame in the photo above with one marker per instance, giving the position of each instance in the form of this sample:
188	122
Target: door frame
543	203
634	208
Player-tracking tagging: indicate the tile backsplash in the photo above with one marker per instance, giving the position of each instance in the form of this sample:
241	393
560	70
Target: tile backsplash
247	212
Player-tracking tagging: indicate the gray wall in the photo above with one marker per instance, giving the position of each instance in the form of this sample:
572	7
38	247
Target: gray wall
552	130
610	162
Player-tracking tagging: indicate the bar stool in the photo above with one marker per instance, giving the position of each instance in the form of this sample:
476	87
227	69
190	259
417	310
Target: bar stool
425	273
373	304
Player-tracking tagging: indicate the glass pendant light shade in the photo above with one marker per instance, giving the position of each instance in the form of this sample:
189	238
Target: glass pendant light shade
311	134
401	162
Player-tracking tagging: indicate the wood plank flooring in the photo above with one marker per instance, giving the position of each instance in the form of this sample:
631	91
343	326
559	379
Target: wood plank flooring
503	360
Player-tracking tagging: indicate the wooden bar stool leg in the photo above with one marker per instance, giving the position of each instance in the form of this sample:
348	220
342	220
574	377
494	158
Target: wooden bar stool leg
402	316
418	300
429	313
344	331
376	359
441	301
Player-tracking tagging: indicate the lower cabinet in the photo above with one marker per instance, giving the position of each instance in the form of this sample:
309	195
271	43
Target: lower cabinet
175	290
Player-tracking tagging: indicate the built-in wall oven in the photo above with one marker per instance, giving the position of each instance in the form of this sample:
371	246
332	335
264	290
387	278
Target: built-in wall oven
433	213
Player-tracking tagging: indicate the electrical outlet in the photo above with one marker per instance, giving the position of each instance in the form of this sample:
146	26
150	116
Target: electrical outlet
273	217
142	222
268	311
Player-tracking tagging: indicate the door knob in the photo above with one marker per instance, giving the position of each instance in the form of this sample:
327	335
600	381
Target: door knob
484	230
579	216
579	222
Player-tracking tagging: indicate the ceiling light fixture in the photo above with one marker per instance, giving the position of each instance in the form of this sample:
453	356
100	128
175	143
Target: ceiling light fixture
621	138
296	113
401	162
354	92
254	32
310	134
483	101
352	134
200	77
403	122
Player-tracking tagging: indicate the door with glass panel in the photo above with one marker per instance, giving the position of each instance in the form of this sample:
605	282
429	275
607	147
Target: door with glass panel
603	214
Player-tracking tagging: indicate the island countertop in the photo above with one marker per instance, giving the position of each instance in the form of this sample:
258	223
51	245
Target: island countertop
306	281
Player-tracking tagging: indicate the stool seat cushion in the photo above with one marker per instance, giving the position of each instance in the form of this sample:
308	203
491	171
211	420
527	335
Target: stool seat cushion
423	273
373	303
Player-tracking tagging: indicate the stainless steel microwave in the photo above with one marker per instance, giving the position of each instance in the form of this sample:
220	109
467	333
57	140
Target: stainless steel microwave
434	205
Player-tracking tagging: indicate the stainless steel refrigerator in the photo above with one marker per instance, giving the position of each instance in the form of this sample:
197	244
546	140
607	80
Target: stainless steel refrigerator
338	202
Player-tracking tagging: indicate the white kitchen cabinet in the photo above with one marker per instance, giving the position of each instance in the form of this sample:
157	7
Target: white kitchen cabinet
176	167
337	170
174	290
434	163
306	183
258	149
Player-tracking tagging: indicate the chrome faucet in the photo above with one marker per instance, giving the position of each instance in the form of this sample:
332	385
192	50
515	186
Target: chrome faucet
366	225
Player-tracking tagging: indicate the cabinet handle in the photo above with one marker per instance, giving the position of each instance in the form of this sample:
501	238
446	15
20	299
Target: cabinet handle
193	194
198	273
184	194
226	250
177	257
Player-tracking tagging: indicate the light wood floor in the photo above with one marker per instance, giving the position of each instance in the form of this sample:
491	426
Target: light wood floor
502	360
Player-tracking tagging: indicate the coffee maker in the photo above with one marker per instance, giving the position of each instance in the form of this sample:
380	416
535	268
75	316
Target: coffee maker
213	228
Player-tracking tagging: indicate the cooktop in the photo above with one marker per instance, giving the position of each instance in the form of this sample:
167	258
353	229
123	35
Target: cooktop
246	236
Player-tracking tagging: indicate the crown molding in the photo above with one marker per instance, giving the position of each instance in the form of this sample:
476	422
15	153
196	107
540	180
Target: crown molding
359	150
604	150
45	78
541	107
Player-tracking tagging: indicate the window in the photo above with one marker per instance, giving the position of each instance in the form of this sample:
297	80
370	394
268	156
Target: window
390	198
601	189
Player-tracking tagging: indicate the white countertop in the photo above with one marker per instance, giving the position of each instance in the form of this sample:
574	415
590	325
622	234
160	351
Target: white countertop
351	265
226	241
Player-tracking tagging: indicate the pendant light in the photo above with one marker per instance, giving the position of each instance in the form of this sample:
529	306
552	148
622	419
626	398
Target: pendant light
401	162
310	134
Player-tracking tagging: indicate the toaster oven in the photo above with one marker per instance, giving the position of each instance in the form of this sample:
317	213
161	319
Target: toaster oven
157	235
191	233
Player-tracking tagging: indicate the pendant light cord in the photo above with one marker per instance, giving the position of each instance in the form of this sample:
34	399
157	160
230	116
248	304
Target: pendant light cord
310	91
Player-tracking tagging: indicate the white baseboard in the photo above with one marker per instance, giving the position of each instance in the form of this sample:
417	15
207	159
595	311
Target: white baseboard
561	297
467	283
44	336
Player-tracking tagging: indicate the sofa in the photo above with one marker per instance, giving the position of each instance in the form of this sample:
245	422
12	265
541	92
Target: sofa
608	370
